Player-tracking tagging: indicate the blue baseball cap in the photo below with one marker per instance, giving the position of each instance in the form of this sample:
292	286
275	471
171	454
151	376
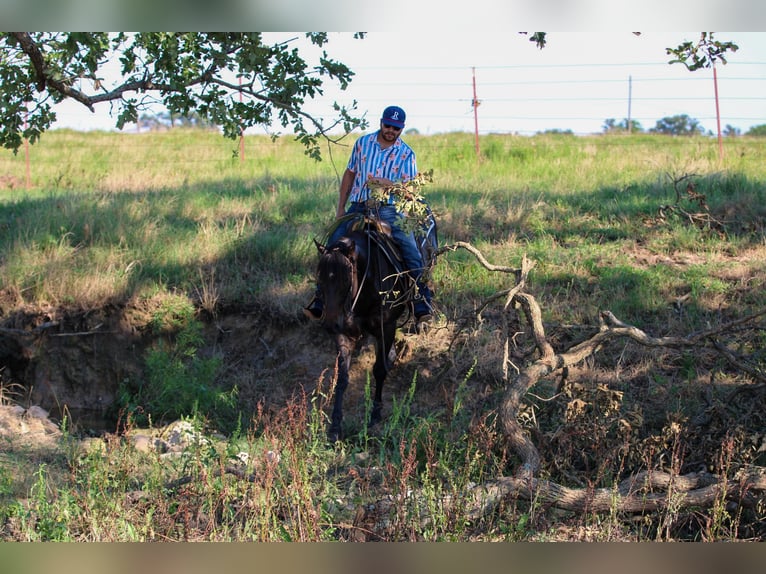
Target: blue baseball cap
394	115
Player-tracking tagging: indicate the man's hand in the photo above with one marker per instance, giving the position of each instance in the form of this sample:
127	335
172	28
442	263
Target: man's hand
378	182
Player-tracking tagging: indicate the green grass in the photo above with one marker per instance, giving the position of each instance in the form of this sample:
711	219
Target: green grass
110	214
175	217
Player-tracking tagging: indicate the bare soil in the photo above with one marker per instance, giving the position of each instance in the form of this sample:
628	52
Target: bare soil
72	362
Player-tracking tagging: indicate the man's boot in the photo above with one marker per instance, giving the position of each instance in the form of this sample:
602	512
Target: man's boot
315	308
422	304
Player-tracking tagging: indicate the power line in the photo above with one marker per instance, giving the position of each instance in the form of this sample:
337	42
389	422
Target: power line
440	97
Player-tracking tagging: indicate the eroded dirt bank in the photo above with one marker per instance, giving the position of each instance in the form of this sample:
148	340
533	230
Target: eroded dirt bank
73	363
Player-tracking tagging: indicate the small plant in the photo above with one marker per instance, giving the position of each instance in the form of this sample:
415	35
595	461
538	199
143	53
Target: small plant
47	521
179	382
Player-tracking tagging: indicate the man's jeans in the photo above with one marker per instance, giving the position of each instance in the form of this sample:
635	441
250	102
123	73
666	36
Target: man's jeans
406	242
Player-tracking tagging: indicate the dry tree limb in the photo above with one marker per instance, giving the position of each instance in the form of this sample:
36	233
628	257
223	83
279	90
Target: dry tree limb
549	362
50	325
642	492
520	275
515	294
739	363
701	219
479	256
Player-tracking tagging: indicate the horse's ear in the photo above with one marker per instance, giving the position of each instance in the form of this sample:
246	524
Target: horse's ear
321	248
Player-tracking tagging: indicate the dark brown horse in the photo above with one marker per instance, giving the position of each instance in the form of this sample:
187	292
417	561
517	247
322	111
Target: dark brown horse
365	292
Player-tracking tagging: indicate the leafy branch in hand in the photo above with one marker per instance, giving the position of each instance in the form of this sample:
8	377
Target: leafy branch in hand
408	199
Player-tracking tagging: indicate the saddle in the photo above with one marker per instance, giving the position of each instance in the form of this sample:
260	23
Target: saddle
380	232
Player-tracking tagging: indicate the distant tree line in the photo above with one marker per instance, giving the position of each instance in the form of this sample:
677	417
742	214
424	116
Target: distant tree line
678	125
166	120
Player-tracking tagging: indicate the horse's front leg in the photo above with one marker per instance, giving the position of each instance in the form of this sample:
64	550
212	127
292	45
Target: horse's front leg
380	370
344	346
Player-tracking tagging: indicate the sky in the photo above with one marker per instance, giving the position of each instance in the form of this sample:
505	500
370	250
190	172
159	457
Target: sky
579	80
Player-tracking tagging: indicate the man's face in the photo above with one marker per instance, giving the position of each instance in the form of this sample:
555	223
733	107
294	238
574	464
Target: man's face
388	132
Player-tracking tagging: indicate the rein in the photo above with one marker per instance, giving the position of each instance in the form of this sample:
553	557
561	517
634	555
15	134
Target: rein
355	287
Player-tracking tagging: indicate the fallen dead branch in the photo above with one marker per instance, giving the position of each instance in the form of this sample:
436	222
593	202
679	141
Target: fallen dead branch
645	491
549	362
701	219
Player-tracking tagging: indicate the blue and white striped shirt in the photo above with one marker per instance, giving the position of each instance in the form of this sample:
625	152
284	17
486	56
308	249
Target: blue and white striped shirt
396	163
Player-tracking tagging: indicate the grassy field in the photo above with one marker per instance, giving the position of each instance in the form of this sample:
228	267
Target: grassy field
112	215
658	230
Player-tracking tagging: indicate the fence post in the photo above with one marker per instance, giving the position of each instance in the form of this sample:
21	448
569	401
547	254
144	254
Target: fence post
630	101
26	150
717	114
241	130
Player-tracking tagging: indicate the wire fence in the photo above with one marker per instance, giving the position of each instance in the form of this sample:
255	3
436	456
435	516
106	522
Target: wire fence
530	99
513	99
525	99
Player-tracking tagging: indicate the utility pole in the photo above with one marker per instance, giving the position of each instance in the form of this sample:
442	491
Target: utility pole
717	113
475	104
630	99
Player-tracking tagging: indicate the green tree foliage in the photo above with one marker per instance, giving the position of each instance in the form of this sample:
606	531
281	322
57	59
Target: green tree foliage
679	125
232	79
759	130
701	54
613	126
538	38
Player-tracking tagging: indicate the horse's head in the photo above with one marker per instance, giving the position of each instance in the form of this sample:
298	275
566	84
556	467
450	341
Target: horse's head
337	278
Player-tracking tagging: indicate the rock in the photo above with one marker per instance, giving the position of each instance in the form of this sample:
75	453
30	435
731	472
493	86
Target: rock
144	443
37	412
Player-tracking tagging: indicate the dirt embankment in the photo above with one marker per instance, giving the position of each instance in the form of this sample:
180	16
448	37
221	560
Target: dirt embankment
70	362
73	363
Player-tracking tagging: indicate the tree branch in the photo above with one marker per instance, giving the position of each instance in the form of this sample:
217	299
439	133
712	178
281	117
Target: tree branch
638	493
44	78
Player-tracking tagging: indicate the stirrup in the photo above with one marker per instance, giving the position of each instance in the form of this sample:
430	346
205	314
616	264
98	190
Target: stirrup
314	310
424	318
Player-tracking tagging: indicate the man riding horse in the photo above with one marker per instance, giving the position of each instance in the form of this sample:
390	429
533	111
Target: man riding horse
381	159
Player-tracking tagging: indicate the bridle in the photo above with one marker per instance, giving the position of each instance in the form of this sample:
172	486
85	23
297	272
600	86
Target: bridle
354	287
351	296
341	255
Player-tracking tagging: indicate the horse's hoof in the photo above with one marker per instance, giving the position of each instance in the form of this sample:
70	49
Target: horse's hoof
312	314
375	419
333	436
